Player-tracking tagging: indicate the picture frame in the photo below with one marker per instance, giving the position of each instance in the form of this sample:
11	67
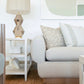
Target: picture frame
67	9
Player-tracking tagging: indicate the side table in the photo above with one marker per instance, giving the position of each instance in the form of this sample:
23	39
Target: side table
26	56
81	69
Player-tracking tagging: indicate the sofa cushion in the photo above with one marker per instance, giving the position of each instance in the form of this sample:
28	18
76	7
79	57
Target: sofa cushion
73	35
64	53
68	35
53	37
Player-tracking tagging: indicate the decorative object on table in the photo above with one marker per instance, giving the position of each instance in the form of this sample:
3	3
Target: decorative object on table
13	64
56	9
18	7
21	50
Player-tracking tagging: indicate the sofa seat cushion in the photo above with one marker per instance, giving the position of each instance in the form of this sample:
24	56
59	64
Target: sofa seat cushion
64	53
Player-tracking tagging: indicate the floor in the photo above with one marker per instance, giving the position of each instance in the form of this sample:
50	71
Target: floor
33	78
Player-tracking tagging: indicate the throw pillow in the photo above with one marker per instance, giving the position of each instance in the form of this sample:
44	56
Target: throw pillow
73	35
53	37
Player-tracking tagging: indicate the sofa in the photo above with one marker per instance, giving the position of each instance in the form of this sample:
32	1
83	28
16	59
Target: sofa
62	62
56	62
1	68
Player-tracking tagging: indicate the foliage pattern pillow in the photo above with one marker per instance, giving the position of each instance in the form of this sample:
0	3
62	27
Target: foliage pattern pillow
53	37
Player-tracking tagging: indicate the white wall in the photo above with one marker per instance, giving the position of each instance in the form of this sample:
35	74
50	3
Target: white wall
32	21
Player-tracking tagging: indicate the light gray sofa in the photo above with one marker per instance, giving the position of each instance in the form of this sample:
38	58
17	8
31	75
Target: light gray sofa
57	62
1	68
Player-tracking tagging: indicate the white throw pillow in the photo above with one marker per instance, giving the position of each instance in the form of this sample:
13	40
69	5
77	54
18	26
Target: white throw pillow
53	37
79	34
73	36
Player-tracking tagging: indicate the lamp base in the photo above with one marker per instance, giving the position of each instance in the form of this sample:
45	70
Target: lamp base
18	30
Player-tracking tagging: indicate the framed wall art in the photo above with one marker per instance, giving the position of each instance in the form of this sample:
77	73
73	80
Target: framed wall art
62	9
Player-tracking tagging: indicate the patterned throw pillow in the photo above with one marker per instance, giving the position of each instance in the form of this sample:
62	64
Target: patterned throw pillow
53	37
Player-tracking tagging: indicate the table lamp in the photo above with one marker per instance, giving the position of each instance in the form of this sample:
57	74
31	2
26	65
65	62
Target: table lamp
18	7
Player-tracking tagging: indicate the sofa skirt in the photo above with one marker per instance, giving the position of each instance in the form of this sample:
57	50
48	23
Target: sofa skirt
59	69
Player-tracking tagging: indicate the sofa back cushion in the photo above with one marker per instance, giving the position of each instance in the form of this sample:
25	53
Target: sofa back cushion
53	37
73	35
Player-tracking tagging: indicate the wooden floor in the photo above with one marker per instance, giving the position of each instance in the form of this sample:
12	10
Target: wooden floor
33	78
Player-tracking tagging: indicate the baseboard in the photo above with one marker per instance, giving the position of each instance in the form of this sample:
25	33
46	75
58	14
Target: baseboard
61	81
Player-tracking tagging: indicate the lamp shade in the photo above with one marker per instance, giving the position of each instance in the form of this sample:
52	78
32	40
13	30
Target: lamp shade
18	6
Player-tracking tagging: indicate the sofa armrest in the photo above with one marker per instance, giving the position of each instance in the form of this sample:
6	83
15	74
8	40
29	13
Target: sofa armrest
38	49
1	64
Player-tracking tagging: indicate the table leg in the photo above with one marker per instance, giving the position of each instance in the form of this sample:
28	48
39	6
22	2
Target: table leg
81	73
25	77
25	60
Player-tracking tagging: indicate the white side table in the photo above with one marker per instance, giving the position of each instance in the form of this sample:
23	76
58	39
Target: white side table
26	56
81	69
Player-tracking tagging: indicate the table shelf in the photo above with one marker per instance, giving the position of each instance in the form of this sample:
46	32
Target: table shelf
15	55
20	71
